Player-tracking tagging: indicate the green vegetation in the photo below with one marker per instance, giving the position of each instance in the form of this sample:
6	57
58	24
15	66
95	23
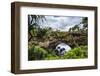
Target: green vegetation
37	53
42	41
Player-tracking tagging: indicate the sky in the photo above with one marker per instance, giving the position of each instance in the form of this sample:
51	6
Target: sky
62	23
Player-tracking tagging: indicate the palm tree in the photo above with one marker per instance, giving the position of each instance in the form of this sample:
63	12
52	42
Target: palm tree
33	21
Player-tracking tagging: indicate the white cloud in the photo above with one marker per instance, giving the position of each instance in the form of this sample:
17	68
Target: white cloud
62	23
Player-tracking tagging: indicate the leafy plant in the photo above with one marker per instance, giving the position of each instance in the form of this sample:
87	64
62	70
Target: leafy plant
76	37
77	53
40	53
37	53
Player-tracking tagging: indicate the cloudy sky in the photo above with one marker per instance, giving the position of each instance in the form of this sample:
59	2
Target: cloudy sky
62	23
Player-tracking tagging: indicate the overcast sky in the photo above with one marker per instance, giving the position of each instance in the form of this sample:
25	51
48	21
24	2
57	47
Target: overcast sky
62	23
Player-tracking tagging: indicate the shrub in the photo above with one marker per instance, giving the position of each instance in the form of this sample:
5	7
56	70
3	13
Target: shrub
36	53
77	53
51	57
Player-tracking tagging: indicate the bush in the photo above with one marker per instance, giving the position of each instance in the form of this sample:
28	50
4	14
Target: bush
77	53
51	57
36	53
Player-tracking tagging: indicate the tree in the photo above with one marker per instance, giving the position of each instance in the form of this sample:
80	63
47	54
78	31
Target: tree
74	28
85	23
33	22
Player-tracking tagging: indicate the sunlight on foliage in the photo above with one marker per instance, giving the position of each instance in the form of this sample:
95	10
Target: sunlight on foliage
42	41
37	53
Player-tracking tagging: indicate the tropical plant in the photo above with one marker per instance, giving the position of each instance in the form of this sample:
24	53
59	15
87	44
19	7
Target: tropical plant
36	53
33	21
77	53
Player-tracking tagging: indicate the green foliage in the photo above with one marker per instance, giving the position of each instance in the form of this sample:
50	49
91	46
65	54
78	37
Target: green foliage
41	33
77	53
51	57
38	53
33	24
42	41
